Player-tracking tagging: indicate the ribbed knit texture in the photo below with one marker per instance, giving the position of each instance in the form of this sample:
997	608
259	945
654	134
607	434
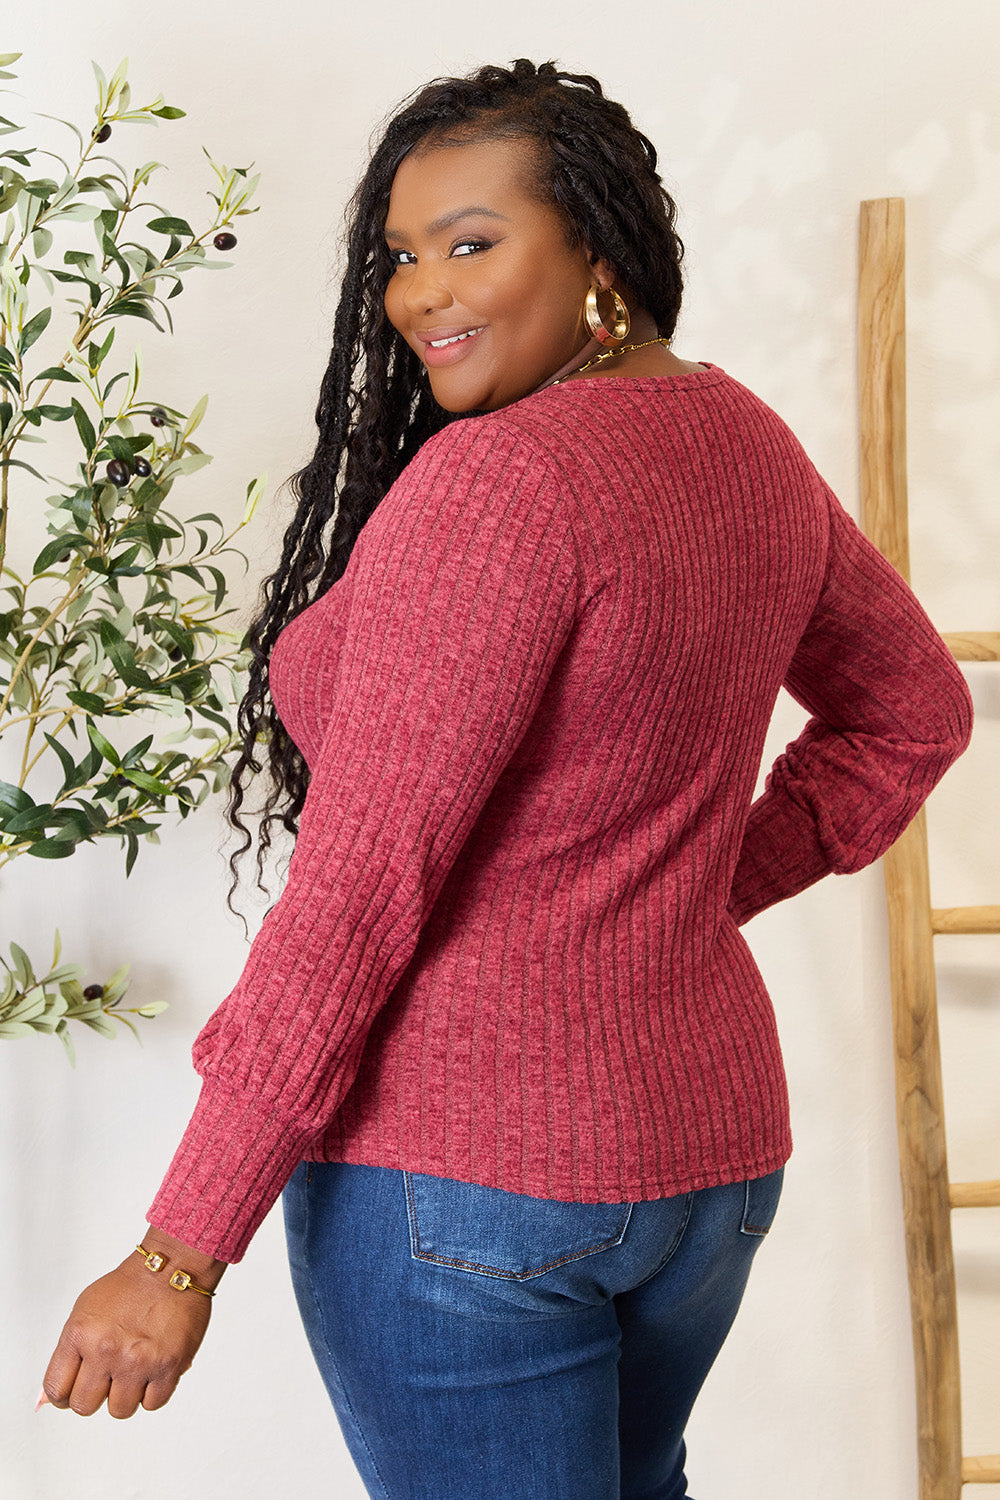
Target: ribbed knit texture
534	709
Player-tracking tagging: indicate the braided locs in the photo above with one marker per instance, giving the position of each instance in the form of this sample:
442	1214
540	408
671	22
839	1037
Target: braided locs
375	405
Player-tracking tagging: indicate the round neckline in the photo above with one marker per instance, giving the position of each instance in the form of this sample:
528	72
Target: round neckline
707	369
689	377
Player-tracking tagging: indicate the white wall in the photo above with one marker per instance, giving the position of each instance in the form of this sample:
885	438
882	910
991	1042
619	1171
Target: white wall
773	119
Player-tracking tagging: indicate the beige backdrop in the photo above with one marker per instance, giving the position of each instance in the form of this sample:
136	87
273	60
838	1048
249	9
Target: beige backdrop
773	119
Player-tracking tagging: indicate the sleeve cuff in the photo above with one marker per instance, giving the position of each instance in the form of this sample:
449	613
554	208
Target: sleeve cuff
233	1161
781	855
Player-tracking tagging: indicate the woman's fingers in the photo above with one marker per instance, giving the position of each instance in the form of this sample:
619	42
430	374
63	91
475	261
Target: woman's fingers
83	1381
125	1398
62	1371
158	1393
89	1393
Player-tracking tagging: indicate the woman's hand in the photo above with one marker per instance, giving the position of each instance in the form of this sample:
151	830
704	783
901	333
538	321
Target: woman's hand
131	1335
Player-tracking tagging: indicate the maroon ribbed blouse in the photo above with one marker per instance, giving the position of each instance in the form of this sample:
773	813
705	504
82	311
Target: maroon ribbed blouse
533	710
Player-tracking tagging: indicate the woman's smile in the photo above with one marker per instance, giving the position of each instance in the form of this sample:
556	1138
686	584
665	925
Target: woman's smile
445	347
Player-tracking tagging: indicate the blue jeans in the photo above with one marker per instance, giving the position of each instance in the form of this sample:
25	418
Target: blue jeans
479	1344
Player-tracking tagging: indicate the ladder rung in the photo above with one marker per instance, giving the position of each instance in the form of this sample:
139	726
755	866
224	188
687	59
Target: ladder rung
974	1194
974	645
984	1470
965	919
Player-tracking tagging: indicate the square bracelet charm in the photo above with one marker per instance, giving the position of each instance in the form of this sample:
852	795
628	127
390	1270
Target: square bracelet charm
180	1280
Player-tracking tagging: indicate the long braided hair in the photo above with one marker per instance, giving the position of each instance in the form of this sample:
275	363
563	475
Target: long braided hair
375	404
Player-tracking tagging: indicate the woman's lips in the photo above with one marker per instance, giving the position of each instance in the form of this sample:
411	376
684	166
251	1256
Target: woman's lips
452	344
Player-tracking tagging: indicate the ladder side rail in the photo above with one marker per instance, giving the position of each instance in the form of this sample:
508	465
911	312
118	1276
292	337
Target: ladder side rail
923	1165
919	1090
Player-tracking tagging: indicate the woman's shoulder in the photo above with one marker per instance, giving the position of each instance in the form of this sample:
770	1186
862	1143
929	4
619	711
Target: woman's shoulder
482	443
482	446
471	466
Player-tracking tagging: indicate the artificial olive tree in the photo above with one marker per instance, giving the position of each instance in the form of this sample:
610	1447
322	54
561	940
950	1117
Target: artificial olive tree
120	613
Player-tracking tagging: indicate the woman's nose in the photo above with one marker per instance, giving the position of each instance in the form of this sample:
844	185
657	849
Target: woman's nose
426	288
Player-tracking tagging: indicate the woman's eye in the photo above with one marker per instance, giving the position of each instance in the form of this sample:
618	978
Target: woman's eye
470	247
396	256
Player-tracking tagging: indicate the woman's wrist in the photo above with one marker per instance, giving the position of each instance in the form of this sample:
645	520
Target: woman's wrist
205	1271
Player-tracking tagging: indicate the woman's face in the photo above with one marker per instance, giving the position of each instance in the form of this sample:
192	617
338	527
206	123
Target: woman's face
481	262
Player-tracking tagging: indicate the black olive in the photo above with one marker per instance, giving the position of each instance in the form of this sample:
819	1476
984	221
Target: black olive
225	241
143	468
104	134
158	417
64	557
119	473
94	992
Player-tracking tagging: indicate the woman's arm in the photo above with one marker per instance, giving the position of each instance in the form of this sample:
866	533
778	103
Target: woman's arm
891	712
463	592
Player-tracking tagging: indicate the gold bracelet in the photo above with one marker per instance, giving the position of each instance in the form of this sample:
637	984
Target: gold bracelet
180	1280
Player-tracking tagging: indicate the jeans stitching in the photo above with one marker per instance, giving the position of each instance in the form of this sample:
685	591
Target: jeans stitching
330	1353
757	1230
675	1246
469	1265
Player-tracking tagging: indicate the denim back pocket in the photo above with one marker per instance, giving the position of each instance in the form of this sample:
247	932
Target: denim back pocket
761	1205
498	1233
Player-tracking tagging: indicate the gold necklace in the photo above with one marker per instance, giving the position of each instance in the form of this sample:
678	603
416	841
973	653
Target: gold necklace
612	354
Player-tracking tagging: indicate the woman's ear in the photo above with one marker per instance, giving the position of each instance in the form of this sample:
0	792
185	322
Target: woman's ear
603	275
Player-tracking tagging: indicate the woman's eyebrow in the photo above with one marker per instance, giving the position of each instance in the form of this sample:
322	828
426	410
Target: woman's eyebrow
447	220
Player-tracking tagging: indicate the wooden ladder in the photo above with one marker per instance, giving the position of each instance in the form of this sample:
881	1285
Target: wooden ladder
928	1195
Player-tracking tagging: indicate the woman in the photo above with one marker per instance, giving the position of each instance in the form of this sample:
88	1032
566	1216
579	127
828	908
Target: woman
501	1042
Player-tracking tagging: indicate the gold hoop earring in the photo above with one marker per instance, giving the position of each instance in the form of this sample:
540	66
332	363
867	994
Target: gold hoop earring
594	321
